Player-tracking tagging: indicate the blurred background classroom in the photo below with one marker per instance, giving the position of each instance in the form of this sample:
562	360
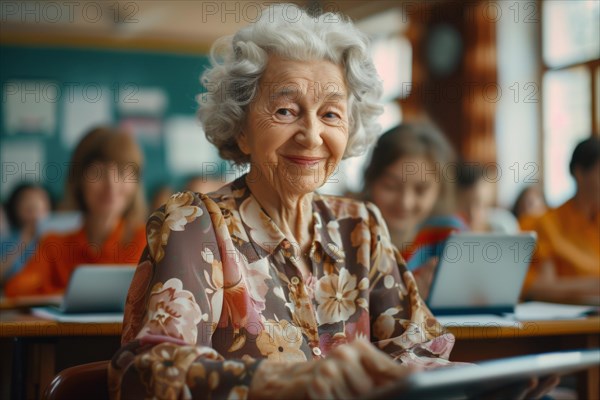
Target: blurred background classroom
512	85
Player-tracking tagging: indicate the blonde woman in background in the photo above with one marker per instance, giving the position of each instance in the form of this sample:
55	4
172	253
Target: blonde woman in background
104	183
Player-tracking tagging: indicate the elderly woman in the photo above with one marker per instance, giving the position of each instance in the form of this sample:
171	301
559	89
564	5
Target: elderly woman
265	288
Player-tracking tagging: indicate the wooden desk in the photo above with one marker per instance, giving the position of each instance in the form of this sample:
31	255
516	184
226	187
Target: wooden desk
18	324
34	350
478	343
45	344
524	329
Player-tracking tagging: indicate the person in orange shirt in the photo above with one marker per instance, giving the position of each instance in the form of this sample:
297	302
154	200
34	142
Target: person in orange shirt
104	184
566	265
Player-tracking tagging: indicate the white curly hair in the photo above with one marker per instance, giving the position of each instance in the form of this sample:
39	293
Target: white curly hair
285	30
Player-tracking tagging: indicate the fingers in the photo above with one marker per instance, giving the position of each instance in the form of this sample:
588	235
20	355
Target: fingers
379	365
356	373
354	370
544	387
515	391
526	388
357	379
329	381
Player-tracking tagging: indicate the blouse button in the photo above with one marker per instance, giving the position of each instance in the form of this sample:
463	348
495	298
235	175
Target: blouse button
295	280
316	351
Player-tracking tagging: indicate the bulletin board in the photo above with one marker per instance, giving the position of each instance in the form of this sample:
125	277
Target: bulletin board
52	95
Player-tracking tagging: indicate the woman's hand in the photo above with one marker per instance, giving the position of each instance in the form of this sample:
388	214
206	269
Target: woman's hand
349	371
424	276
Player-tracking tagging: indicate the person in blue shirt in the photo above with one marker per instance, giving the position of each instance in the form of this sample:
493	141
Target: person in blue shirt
27	205
410	178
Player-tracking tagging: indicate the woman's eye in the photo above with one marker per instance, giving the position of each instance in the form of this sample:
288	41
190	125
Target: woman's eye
286	112
331	115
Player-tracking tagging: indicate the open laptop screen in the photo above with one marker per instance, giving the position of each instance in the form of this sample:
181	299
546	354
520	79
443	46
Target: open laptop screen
481	273
98	289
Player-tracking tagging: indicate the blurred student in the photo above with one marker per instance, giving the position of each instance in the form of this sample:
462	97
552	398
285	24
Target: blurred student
529	206
476	194
27	205
567	261
530	203
104	184
411	179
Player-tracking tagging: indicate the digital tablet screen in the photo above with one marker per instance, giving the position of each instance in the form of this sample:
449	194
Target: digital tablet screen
467	381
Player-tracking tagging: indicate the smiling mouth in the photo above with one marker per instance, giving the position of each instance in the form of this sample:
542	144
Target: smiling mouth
303	160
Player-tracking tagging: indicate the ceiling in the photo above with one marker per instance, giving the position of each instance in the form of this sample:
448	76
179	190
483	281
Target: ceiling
179	26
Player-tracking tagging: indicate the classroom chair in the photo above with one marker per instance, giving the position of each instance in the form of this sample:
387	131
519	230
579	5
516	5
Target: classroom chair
86	381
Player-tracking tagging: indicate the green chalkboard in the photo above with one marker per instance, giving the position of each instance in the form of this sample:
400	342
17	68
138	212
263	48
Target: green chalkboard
71	68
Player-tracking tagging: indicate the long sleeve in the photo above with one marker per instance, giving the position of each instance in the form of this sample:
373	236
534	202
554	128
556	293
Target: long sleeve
36	275
174	307
559	244
54	259
401	323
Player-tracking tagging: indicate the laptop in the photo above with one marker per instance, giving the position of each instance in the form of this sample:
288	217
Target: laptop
93	290
481	273
471	381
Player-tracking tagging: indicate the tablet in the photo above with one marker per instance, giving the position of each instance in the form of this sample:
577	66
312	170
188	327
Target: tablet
462	382
481	273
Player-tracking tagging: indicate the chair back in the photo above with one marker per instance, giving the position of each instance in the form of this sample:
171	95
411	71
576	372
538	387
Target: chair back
87	381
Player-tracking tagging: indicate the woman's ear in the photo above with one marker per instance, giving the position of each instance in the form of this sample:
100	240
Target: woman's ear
242	142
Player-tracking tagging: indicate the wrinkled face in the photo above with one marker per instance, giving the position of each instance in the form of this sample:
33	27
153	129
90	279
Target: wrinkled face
34	205
296	129
107	189
407	192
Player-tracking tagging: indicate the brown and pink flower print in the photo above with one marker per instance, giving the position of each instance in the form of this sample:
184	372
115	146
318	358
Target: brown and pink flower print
172	311
218	290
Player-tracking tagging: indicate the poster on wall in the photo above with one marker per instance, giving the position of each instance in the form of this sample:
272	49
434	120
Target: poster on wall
144	129
84	109
187	149
29	106
135	100
141	111
24	161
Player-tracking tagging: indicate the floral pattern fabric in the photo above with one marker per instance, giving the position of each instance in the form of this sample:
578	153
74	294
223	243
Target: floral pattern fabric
219	288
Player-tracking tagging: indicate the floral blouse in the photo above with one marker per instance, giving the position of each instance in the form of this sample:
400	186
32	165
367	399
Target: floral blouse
219	288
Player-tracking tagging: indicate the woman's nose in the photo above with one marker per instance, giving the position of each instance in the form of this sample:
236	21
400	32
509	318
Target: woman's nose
309	135
111	178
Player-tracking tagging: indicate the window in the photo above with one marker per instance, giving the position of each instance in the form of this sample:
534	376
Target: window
571	32
571	53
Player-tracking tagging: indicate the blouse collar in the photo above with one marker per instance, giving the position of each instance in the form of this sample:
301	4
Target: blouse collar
266	237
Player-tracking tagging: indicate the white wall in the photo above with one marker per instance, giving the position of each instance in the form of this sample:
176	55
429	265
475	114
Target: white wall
517	118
